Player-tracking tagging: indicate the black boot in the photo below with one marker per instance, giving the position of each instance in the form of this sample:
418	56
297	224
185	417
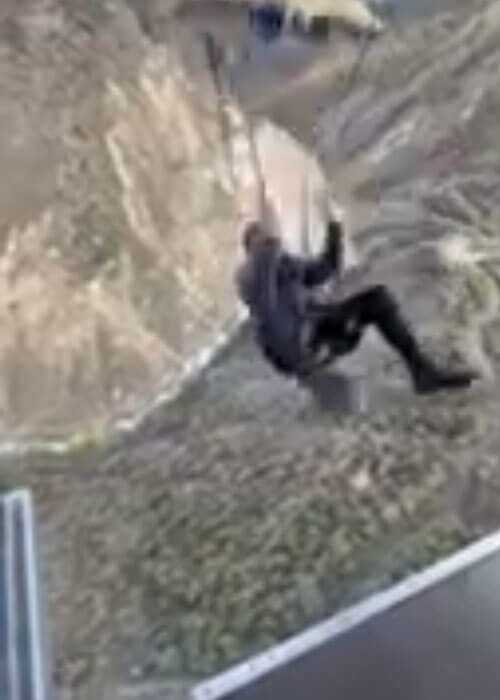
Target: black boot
381	309
428	378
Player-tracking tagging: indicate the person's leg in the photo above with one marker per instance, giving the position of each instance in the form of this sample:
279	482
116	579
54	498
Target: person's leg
376	306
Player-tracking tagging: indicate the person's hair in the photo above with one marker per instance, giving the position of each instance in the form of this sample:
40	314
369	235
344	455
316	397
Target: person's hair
252	233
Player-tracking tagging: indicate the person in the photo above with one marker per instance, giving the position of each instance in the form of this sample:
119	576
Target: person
299	334
271	20
267	20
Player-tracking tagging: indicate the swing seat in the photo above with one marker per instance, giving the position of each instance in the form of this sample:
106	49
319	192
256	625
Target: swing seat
335	392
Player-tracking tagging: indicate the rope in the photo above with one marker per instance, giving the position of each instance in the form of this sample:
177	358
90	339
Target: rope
214	59
305	216
396	28
254	154
214	63
367	40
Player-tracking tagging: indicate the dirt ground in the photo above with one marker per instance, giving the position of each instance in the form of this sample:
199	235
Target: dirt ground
241	513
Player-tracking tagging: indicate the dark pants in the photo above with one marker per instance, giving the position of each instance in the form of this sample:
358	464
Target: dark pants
339	327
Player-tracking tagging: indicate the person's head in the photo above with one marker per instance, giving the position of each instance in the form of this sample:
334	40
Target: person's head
335	228
254	235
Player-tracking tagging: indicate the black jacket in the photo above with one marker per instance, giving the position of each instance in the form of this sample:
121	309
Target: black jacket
276	287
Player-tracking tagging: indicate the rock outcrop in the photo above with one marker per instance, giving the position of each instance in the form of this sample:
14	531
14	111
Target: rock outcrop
117	213
126	179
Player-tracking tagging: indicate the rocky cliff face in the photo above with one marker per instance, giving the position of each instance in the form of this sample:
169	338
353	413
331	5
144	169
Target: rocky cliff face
126	179
117	215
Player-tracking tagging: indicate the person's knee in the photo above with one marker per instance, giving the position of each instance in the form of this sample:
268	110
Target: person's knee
382	300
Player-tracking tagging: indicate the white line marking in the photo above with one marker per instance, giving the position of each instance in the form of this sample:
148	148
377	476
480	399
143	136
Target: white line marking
12	660
248	672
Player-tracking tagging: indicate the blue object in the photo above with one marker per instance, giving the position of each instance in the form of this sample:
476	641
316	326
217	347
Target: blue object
267	21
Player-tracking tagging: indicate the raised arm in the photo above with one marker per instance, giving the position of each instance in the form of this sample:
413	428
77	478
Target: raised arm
317	270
